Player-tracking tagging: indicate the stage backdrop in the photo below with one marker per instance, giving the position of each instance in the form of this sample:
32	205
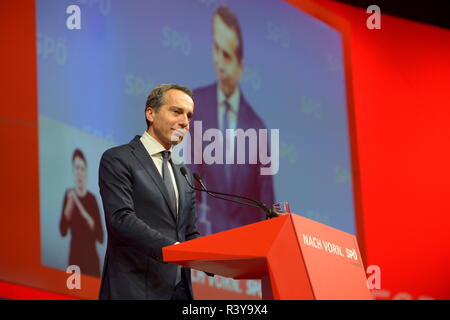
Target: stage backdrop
400	79
92	87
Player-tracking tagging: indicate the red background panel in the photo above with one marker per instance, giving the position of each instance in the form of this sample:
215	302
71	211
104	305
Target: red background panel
18	292
19	190
18	61
401	76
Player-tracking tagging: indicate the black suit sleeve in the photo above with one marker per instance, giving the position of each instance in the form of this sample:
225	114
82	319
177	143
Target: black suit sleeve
116	189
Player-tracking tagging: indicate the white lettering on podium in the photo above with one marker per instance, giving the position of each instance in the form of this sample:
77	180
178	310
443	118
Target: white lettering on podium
332	248
323	245
312	241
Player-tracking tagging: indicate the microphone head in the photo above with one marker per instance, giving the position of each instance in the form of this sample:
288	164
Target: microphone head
197	176
183	171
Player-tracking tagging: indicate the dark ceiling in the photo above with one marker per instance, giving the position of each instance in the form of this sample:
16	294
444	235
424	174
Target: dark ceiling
433	12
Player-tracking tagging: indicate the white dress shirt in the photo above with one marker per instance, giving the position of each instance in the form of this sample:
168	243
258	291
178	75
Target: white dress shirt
154	149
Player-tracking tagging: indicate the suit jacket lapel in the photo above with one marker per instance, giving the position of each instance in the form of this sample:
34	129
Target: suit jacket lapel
146	161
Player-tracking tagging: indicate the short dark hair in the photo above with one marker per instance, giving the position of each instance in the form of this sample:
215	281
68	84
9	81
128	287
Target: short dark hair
78	153
156	97
231	20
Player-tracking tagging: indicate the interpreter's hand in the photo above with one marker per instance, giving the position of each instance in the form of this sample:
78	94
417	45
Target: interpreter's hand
68	210
82	210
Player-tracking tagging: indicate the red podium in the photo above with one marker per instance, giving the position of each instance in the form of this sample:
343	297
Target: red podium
295	258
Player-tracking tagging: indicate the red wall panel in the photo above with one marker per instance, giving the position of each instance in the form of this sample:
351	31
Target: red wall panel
18	61
402	107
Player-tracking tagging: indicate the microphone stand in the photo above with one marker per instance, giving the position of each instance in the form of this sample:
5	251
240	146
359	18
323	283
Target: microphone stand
270	212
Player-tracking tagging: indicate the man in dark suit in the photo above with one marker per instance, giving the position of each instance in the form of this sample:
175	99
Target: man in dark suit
222	105
148	204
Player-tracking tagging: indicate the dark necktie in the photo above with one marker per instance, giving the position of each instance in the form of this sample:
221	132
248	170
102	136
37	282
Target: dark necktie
168	180
228	110
226	125
173	199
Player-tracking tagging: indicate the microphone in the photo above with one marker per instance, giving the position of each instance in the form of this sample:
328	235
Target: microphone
270	212
184	173
199	179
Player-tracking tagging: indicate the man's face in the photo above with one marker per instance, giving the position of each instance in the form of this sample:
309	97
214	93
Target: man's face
171	122
226	62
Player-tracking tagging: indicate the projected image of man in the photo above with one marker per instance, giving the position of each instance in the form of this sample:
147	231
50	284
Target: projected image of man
222	105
